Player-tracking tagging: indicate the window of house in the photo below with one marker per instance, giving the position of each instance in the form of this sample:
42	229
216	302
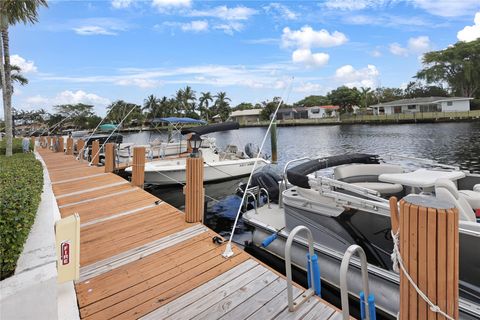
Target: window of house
397	109
449	103
316	110
412	107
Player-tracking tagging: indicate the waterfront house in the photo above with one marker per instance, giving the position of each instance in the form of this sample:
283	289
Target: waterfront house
246	116
292	113
316	112
426	104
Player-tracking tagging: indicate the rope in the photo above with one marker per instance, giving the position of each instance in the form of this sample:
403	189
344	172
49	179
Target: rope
228	248
398	261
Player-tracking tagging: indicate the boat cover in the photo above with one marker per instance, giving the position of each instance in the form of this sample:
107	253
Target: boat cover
178	120
298	175
225	126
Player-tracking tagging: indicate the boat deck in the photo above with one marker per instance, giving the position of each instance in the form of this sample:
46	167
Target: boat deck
140	259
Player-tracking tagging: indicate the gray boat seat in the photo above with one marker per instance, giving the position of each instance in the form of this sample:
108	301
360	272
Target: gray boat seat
472	197
382	187
446	189
366	176
476	187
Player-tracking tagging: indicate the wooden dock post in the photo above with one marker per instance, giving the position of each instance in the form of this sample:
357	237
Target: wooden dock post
80	146
95	152
138	167
61	147
109	157
194	191
49	142
32	142
54	144
431	261
69	150
273	141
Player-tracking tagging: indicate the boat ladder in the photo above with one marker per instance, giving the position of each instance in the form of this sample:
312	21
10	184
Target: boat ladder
255	193
370	314
313	271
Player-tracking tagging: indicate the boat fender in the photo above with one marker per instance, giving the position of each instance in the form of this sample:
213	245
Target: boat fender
266	242
314	268
217	240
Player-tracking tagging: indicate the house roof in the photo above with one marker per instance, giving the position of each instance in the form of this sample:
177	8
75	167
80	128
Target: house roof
423	100
295	109
249	112
327	107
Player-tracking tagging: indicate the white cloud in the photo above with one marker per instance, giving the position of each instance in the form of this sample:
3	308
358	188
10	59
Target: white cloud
351	77
169	4
309	59
470	33
280	10
27	66
376	53
195	26
309	88
351	5
230	27
225	13
68	97
418	45
448	8
138	82
94	30
121	4
307	38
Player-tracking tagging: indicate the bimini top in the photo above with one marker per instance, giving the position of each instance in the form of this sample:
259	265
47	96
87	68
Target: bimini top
225	126
178	120
298	175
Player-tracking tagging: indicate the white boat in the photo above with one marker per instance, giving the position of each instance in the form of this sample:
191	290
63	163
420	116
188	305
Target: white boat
218	165
155	149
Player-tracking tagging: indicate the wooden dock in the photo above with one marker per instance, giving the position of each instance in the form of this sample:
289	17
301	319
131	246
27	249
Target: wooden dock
140	259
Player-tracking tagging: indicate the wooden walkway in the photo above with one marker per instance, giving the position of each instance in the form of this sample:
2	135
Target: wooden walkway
140	259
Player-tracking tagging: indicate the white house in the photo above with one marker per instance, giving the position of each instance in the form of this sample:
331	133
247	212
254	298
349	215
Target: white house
322	112
246	116
427	104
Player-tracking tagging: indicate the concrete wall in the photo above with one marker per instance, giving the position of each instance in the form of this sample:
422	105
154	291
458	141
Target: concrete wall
458	105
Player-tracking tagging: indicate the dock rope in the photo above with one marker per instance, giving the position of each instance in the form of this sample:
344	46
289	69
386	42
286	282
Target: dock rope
398	261
228	248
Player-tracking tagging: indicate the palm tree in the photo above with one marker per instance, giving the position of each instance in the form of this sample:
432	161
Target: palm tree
12	12
16	76
366	95
203	104
222	105
151	105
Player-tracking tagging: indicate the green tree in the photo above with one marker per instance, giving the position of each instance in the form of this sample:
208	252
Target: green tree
416	89
366	97
387	94
312	101
118	111
186	100
203	104
80	114
11	13
243	106
345	98
222	105
16	76
458	66
269	107
151	105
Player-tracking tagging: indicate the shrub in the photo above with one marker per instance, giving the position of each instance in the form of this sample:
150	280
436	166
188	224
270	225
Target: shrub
21	183
16	147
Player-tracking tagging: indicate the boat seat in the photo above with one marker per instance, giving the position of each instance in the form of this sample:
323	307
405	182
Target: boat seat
472	197
359	172
382	187
476	187
446	189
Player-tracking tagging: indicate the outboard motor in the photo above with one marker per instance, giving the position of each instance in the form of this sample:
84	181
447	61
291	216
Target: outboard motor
252	150
268	180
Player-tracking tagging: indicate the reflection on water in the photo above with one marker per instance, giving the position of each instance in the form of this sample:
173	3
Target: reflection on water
449	143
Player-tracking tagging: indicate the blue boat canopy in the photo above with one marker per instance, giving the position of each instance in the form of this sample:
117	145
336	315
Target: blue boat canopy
178	120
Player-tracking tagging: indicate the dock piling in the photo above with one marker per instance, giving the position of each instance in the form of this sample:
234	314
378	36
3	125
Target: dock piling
69	146
273	141
80	146
138	167
95	152
194	191
61	147
109	157
432	262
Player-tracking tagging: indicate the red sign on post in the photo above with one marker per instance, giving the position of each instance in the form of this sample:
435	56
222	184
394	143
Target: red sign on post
65	249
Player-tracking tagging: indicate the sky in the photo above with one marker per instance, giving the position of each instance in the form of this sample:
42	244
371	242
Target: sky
100	51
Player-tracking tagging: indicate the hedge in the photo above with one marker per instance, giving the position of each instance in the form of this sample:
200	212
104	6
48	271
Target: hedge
21	184
16	147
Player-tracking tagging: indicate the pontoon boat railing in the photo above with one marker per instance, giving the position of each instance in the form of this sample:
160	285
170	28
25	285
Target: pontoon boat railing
365	313
286	167
313	278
